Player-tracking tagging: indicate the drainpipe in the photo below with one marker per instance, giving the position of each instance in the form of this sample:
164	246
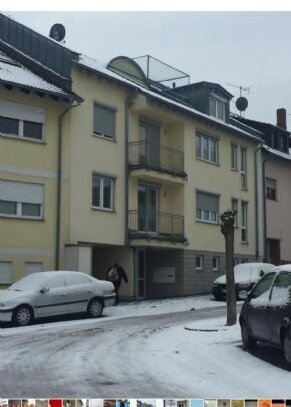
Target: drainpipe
264	203
59	184
257	149
126	131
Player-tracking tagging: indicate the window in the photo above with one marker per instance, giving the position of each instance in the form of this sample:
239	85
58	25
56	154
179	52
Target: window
233	158
6	272
215	263
234	208
264	285
21	199
217	108
199	262
22	121
102	192
207	148
104	121
33	267
243	168
271	189
244	221
207	207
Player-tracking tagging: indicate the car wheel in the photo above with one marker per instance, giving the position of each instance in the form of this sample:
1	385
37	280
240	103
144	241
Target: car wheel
287	348
248	341
95	308
22	316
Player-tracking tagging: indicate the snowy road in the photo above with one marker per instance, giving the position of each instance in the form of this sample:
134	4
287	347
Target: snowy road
150	355
91	359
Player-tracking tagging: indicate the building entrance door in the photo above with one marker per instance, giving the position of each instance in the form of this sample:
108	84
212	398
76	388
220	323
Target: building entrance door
140	274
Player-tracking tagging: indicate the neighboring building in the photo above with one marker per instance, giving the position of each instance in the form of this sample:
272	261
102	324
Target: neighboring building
146	172
30	109
276	164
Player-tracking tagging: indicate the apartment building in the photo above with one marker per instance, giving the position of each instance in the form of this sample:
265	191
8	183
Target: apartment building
30	108
148	166
276	165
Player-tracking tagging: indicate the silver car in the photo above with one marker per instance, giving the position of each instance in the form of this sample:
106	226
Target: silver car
51	293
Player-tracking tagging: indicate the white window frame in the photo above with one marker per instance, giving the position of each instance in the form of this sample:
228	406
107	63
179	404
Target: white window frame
217	261
204	143
22	113
243	168
272	187
234	207
98	133
234	157
201	262
9	278
244	221
20	204
103	178
216	103
205	215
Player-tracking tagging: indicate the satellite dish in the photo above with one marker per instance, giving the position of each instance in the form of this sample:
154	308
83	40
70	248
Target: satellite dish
241	103
58	32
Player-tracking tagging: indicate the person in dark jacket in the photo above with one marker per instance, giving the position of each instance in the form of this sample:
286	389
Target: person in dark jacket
116	274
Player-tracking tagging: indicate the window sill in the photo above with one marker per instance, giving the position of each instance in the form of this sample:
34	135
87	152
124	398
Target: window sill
207	162
208	222
198	269
244	189
234	169
21	217
26	139
99	136
245	243
95	208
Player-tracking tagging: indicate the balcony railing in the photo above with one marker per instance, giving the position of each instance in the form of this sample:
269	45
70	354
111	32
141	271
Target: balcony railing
161	226
146	155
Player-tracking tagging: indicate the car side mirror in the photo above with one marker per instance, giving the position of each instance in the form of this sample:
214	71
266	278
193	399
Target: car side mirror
44	290
243	295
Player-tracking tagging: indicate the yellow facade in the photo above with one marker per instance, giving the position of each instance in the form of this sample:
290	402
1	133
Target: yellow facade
26	161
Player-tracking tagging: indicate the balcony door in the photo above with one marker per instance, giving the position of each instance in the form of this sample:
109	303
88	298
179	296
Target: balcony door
148	208
149	137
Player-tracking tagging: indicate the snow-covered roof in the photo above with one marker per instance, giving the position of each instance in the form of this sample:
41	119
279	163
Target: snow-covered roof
14	73
93	64
279	154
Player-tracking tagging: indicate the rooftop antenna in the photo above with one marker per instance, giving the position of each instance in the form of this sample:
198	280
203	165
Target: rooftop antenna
57	32
242	102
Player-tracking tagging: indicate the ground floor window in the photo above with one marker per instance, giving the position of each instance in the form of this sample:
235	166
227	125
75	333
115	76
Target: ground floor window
6	272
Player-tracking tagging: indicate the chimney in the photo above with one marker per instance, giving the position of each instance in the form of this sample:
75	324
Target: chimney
281	118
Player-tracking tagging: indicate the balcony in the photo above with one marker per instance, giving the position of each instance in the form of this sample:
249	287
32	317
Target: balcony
158	226
147	156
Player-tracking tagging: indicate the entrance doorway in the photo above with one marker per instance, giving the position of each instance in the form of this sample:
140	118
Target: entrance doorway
140	273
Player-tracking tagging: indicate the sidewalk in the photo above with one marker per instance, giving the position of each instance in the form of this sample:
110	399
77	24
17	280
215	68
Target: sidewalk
164	306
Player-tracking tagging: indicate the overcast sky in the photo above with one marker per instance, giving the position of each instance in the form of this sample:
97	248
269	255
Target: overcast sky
248	49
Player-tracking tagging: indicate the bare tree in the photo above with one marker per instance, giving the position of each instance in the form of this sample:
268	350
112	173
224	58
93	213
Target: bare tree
227	229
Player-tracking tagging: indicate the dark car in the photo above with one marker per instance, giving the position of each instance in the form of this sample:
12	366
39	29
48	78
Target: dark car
266	314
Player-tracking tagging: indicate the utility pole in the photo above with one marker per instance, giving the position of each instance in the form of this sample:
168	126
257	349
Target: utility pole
227	229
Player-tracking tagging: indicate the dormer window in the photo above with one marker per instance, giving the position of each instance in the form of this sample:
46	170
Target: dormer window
217	108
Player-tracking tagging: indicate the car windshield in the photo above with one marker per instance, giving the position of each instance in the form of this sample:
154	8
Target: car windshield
28	283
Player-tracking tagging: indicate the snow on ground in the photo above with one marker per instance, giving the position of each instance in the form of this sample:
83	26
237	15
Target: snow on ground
127	309
209	361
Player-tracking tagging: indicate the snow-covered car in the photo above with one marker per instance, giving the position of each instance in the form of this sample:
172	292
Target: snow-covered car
245	277
51	293
266	314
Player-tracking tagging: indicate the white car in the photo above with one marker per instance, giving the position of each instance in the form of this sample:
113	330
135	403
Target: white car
51	293
245	277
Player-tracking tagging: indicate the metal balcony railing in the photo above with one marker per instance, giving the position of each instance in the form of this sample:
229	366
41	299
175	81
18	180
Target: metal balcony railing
161	226
143	154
